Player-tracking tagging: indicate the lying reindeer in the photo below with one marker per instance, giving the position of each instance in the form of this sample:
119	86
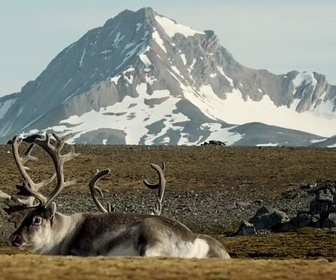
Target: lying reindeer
160	186
48	232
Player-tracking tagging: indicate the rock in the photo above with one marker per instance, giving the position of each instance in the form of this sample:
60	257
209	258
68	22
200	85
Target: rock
319	206
328	223
325	195
288	226
214	142
245	228
243	204
265	220
303	220
268	218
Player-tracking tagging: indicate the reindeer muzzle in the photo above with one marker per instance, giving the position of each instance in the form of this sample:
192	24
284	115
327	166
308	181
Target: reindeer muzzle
16	240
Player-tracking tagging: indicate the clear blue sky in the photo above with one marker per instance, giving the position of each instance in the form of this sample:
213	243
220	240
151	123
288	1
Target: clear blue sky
279	36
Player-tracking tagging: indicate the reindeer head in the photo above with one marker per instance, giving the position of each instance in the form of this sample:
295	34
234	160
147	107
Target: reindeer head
35	220
35	229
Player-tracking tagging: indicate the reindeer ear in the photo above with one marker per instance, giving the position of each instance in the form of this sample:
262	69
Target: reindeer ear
51	210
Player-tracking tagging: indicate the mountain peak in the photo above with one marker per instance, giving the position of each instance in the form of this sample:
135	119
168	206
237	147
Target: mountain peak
143	78
139	15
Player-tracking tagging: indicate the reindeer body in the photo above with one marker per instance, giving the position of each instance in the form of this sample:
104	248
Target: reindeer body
113	234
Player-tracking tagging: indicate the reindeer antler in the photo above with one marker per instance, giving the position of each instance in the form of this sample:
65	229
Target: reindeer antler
58	160
20	161
15	204
94	189
4	195
17	209
29	187
161	185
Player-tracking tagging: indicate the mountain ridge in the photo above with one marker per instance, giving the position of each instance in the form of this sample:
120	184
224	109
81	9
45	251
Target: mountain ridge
137	64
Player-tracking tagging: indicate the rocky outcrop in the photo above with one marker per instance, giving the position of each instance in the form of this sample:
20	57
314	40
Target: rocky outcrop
321	213
266	219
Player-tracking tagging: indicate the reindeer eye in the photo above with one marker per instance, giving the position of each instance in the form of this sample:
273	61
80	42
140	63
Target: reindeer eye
37	221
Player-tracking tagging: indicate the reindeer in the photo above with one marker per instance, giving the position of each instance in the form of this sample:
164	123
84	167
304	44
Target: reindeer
160	186
49	232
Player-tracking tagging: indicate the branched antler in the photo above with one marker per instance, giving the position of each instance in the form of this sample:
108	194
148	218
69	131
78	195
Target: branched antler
3	195
20	161
29	187
161	185
58	160
16	207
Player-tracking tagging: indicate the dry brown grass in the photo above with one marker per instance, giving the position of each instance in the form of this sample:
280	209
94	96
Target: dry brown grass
37	267
305	243
268	170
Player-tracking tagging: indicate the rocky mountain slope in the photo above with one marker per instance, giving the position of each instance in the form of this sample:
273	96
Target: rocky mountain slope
144	79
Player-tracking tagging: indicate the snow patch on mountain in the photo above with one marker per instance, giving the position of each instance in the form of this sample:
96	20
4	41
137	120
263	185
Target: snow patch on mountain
267	145
159	41
133	111
82	58
4	106
325	111
234	109
171	27
217	132
144	58
304	78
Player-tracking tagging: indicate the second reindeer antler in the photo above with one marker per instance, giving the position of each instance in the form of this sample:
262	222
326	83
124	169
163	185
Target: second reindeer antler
161	185
94	189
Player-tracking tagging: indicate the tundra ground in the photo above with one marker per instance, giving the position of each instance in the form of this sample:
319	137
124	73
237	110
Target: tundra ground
210	189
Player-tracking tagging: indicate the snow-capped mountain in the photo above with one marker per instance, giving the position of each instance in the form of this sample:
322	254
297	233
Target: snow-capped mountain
143	78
